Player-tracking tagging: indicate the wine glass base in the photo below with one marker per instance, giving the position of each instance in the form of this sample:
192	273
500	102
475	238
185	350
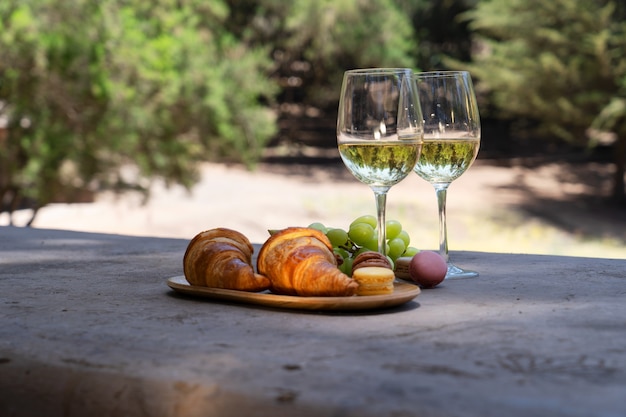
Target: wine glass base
454	272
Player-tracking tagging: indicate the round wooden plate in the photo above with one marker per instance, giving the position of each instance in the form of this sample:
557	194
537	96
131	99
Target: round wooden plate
403	293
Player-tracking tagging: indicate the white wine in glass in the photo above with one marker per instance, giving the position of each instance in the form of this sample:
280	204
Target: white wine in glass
451	141
379	131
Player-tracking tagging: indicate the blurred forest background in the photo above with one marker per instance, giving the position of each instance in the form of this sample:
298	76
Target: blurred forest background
113	94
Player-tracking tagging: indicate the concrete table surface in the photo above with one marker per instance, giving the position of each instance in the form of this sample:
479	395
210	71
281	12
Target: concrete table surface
88	327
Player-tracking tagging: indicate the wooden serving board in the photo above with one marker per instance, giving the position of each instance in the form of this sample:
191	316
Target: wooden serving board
403	293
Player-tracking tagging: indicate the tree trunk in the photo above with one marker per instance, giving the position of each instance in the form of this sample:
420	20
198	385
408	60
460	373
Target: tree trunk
619	186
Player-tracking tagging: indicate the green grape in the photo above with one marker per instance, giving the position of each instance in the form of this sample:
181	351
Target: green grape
318	226
410	251
342	252
360	251
372	244
360	233
396	248
341	265
404	235
393	228
337	237
368	219
346	266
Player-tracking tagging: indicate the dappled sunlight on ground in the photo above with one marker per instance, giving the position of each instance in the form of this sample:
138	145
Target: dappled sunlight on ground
493	208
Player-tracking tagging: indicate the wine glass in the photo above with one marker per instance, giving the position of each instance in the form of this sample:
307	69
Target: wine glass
379	131
451	141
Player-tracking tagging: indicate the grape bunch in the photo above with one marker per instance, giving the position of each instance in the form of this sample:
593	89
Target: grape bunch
362	235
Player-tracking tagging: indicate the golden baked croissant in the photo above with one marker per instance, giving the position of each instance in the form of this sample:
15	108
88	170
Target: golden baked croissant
222	258
300	261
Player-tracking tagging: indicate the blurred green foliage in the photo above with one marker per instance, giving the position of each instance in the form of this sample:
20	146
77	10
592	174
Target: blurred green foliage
558	63
314	42
115	93
110	94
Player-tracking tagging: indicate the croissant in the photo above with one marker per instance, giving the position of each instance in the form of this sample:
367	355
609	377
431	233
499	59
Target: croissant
300	261
222	258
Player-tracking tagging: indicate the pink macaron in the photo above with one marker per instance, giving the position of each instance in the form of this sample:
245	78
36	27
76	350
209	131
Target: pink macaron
428	269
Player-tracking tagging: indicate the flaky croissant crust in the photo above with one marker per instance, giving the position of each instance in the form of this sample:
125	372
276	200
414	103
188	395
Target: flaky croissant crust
222	258
300	261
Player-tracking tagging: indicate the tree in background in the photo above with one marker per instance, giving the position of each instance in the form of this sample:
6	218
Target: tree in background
89	89
112	94
336	35
313	42
440	30
560	63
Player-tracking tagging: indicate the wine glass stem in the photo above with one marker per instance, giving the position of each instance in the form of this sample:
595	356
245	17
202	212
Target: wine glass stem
442	190
381	202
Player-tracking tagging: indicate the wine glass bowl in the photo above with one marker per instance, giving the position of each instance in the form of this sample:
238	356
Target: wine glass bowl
379	131
451	141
